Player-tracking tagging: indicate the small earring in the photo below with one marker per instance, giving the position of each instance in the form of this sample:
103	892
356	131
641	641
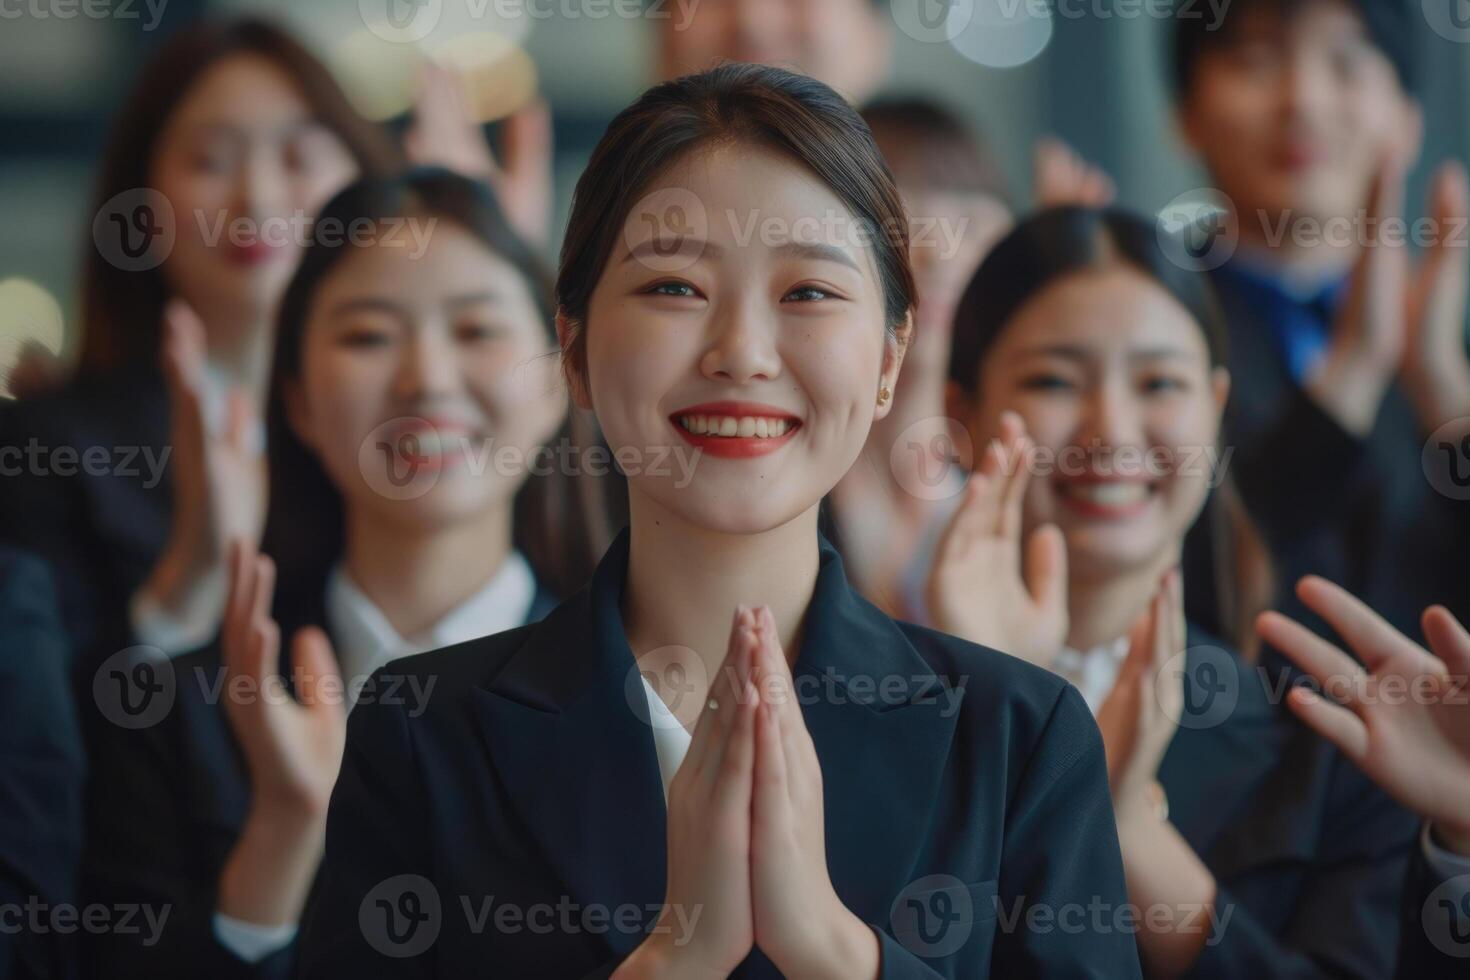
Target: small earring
884	394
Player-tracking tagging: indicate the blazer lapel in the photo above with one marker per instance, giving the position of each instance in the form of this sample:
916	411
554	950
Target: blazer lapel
882	750
577	760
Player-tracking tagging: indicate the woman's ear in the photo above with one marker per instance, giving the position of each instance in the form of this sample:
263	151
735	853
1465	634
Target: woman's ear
893	352
573	358
1220	387
957	409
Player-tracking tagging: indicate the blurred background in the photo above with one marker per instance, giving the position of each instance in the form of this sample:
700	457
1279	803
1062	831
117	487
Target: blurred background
1093	72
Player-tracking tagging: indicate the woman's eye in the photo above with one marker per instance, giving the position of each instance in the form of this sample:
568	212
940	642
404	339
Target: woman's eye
476	332
362	337
1046	382
1163	383
679	289
808	294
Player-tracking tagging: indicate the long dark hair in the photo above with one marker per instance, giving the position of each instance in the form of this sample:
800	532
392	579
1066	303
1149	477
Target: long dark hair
1059	242
121	310
305	525
755	105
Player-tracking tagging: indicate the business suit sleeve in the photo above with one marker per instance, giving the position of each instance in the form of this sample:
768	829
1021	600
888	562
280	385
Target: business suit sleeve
146	850
1345	920
1061	855
1436	922
41	768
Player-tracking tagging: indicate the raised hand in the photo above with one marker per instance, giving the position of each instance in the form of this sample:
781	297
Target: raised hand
1061	177
1403	715
445	133
978	588
1141	714
292	747
1368	337
800	922
709	830
1436	369
219	480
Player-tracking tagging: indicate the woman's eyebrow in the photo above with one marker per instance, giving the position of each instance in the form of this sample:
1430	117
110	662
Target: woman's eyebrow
660	248
473	299
365	304
818	251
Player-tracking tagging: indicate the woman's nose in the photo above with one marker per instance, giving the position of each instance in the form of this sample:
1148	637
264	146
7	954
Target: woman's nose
429	365
744	346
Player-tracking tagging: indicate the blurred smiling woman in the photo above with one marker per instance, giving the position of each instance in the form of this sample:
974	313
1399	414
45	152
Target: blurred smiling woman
444	357
786	834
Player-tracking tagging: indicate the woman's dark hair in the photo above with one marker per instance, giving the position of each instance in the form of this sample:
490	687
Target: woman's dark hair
734	104
121	310
305	524
1059	242
927	145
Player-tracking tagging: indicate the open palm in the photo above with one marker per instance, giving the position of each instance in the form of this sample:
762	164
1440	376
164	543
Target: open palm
1402	715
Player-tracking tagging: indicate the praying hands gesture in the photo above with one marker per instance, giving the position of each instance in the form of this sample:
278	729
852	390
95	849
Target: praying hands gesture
746	833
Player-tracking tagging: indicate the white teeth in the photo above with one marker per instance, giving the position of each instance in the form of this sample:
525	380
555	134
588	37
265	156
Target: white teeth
1109	494
746	426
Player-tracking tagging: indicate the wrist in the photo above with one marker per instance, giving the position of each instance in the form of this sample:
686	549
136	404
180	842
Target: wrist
1350	386
657	957
846	949
1453	838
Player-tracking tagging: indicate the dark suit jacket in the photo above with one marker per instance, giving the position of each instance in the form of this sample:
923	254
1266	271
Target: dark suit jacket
1358	511
1436	925
531	783
168	803
42	771
86	487
1309	856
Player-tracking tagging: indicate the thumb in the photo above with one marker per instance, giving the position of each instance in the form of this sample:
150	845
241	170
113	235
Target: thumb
315	664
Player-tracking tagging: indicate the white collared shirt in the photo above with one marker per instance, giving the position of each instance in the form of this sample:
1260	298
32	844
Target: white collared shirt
364	641
670	738
1094	672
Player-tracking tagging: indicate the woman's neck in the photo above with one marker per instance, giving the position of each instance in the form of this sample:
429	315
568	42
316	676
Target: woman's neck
685	581
1103	608
416	577
239	345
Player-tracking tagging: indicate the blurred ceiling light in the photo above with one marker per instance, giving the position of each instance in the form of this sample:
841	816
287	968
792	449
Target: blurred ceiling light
28	314
497	74
1001	33
377	75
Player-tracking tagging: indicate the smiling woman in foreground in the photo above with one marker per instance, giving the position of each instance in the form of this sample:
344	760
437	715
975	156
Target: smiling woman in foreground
838	808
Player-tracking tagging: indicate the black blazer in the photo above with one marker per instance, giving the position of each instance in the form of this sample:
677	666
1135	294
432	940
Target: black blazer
1428	907
1356	510
531	782
42	770
101	527
168	803
1309	856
